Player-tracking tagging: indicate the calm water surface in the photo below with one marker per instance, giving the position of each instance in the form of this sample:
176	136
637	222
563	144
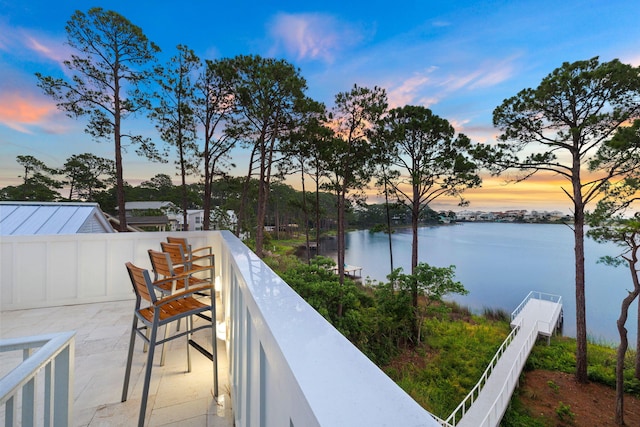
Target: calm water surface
500	263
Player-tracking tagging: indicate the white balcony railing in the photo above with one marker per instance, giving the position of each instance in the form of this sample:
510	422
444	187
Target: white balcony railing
287	365
22	401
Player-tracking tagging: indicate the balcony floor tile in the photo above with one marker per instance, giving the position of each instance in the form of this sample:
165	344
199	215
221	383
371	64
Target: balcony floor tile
102	338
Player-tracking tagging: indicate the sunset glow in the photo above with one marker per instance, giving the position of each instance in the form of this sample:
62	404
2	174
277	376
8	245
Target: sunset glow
460	59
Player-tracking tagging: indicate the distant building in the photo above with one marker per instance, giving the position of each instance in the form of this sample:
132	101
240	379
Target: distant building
133	207
512	216
140	215
30	218
195	219
143	215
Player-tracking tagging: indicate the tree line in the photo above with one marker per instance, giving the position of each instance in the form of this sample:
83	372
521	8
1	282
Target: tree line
579	123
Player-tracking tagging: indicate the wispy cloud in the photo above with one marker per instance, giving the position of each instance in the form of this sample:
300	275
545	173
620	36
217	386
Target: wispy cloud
405	92
22	113
441	23
486	75
47	48
312	36
21	42
434	84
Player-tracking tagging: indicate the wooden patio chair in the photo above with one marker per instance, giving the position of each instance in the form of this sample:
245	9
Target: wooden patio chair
167	277
167	280
196	256
182	262
162	311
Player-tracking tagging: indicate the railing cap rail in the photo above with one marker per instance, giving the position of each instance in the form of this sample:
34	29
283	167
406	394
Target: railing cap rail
50	346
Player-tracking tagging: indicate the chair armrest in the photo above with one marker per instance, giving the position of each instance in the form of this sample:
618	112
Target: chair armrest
207	248
197	258
182	294
185	275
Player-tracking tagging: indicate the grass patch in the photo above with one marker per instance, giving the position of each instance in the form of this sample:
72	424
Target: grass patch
442	371
601	362
496	314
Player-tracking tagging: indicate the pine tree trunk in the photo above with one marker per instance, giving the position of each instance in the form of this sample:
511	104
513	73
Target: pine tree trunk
341	242
122	214
386	203
581	318
305	214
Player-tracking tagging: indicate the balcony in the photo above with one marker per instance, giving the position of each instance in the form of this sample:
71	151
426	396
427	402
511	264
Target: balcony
280	362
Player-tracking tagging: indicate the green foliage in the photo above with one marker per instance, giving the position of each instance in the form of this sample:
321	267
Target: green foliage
379	321
421	153
564	413
559	356
458	353
429	283
106	77
378	228
38	183
560	126
370	329
518	416
87	174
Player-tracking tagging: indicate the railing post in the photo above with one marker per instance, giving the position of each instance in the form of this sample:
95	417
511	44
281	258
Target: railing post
28	396
63	386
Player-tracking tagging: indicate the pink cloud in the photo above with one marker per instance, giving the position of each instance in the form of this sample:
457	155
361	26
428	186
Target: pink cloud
46	48
21	113
406	92
312	36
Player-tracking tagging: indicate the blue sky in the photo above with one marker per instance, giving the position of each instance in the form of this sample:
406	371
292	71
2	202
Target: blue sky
461	59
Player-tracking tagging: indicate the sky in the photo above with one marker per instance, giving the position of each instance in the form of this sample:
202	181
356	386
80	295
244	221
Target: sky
461	59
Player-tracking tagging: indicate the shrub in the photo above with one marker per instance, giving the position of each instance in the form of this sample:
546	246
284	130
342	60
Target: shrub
564	413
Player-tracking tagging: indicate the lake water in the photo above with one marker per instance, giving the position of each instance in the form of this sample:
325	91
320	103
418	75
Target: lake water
500	263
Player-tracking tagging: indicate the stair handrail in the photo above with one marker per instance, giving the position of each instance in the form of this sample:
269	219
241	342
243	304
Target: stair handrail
475	391
492	417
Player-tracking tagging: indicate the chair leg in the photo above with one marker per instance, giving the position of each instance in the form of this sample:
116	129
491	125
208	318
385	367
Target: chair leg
127	372
164	348
147	376
189	322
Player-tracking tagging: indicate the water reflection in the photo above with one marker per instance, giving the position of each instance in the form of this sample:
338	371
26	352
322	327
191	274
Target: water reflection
500	263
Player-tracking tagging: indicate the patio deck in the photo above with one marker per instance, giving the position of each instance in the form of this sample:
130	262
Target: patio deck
101	343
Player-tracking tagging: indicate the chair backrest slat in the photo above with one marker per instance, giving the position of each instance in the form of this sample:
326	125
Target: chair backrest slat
181	241
175	251
141	282
161	263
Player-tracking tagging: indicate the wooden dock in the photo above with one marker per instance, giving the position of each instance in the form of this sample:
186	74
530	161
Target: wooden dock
538	315
352	271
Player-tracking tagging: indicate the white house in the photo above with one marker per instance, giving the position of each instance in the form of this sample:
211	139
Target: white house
195	219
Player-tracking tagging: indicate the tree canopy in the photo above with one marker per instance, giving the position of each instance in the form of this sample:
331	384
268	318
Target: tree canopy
558	127
108	73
